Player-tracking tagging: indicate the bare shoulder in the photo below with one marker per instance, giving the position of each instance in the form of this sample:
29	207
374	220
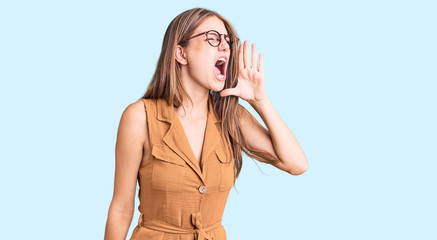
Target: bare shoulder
135	115
136	111
133	124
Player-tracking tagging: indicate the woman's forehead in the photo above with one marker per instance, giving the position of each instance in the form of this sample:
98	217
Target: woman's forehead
212	23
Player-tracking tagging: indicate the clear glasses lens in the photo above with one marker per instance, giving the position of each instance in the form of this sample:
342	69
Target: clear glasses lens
214	38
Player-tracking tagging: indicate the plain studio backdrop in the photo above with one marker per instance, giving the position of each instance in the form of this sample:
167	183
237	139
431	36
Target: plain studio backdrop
355	81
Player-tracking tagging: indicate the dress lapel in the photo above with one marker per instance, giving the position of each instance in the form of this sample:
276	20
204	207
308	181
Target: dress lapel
176	139
212	134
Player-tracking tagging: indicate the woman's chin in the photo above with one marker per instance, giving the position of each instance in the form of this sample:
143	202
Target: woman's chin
218	87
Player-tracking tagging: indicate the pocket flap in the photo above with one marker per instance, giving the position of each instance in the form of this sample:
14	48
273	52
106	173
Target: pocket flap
165	154
222	154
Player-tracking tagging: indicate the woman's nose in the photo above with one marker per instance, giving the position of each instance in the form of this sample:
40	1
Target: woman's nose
224	46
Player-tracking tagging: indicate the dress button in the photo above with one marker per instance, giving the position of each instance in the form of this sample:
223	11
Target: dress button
202	189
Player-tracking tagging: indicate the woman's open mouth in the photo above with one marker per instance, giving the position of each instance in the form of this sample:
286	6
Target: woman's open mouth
220	69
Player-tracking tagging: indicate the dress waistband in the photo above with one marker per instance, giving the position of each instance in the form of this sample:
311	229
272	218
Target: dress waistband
196	219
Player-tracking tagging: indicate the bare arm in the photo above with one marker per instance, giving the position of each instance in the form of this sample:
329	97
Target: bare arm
281	148
131	137
277	141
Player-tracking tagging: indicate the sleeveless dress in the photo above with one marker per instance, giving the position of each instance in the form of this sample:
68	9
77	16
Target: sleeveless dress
179	200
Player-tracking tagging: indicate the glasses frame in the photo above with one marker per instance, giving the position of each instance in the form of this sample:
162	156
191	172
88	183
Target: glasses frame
220	35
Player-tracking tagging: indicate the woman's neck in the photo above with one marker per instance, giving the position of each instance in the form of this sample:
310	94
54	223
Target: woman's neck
196	111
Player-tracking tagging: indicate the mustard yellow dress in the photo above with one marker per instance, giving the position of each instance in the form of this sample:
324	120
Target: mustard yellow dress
179	200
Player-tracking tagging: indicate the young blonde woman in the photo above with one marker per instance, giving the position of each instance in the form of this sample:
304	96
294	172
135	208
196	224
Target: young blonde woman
183	140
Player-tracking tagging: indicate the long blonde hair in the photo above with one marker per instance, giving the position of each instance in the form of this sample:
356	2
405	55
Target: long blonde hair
166	82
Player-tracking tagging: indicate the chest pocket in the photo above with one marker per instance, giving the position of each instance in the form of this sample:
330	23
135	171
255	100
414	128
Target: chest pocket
168	169
226	169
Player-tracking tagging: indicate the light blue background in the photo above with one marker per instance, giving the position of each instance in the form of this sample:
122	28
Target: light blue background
355	81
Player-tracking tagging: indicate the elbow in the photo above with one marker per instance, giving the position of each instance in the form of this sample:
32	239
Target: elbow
299	169
297	172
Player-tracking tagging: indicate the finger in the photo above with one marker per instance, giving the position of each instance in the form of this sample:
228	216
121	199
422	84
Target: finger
254	56
261	63
246	54
240	57
230	91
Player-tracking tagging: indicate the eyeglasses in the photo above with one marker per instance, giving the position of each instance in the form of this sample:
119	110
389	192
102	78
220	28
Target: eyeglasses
215	38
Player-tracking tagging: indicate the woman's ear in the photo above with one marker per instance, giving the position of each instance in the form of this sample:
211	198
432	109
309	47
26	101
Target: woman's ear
180	55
